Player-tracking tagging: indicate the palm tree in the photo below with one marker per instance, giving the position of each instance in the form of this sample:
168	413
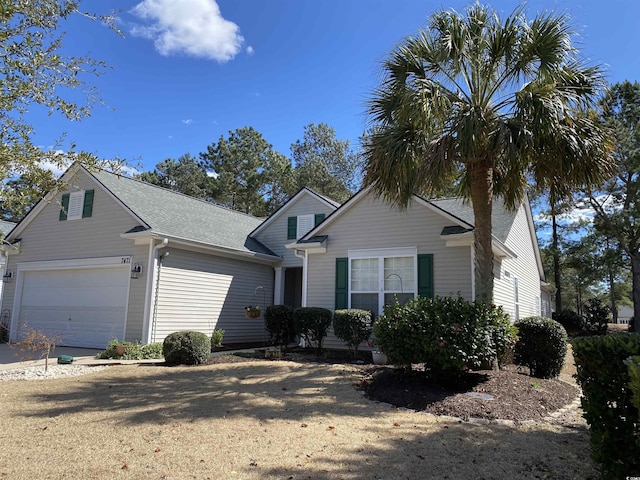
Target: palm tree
489	104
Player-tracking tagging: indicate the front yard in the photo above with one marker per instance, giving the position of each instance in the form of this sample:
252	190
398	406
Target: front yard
258	420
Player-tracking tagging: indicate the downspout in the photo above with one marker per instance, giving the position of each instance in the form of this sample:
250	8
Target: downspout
305	263
155	284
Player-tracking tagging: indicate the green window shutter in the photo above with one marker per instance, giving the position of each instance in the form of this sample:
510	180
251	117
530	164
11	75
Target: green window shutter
87	207
319	218
425	275
342	283
65	207
292	227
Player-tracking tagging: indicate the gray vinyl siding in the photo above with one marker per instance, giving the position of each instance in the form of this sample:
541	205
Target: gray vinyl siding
373	224
524	267
47	238
203	292
274	235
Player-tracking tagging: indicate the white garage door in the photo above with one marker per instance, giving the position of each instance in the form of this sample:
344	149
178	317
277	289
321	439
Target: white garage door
85	307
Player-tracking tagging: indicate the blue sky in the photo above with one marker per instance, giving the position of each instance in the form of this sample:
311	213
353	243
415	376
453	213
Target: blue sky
189	71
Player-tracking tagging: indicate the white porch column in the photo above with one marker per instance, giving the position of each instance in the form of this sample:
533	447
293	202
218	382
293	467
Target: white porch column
278	287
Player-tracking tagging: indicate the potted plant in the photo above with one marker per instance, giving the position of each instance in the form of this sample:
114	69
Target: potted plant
377	355
252	311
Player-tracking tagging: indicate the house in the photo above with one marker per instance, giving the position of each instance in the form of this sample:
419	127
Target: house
367	253
114	257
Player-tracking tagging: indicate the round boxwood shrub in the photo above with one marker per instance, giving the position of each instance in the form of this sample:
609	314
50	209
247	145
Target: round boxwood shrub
541	346
312	323
278	320
571	321
352	326
186	348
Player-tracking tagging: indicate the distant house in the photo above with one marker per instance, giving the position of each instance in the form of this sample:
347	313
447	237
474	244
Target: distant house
113	257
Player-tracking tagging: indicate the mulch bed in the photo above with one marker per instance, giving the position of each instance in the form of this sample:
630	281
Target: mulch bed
501	394
508	394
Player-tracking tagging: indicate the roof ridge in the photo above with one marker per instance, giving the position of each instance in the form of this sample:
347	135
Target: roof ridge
179	193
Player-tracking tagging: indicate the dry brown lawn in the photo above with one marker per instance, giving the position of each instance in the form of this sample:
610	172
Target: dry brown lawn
258	420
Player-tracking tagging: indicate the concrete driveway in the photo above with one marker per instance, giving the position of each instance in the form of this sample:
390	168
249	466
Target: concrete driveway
11	357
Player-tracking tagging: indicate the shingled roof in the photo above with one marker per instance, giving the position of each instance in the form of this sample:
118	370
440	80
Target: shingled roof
501	217
168	213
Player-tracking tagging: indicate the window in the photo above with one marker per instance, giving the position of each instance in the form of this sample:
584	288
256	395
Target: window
370	279
299	226
516	298
76	205
378	278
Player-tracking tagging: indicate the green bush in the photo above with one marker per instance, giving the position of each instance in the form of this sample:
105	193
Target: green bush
633	365
596	317
216	338
606	401
278	320
571	321
541	346
186	348
151	351
312	323
132	351
352	326
448	334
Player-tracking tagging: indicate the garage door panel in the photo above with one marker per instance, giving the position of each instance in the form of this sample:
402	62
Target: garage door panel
84	307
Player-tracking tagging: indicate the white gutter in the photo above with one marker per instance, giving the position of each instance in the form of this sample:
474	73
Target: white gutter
305	269
152	285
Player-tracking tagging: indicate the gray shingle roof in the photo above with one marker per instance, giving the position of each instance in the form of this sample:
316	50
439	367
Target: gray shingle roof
173	214
502	218
6	227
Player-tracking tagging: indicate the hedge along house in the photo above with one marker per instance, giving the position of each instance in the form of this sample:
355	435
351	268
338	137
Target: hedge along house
366	254
114	257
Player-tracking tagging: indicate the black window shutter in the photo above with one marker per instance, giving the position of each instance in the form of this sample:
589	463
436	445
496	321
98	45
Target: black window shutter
342	283
319	218
425	275
292	227
87	207
65	207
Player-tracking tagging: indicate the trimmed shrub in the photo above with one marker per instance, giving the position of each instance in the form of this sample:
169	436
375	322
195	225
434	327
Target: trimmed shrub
312	323
596	317
541	346
352	326
278	320
606	401
186	348
216	338
571	321
448	334
151	350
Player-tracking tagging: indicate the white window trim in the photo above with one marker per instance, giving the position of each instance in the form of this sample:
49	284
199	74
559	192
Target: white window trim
76	205
381	254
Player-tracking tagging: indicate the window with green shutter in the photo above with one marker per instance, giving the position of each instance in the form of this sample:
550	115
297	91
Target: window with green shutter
319	217
76	205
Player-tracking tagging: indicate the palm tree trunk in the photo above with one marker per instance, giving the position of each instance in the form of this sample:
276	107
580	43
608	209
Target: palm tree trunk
555	250
482	200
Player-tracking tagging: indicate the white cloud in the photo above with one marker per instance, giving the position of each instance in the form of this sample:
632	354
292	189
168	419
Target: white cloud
191	27
188	121
250	50
56	167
